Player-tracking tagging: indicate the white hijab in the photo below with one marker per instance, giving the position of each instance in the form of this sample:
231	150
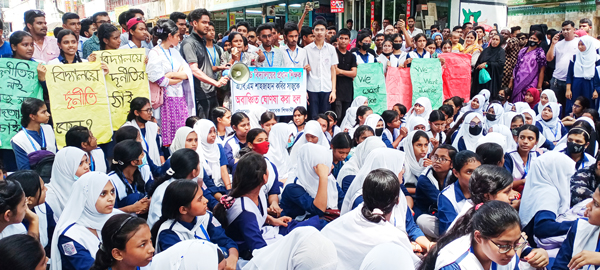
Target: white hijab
480	99
81	209
530	112
210	155
551	98
416	121
66	163
193	254
547	186
552	128
256	112
360	157
498	111
521	106
278	154
486	94
313	128
382	158
415	167
509	141
585	62
508	117
372	121
180	138
349	120
388	256
309	156
463	132
305	248
426	103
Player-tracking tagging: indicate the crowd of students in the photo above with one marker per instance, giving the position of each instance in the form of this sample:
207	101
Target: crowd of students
188	184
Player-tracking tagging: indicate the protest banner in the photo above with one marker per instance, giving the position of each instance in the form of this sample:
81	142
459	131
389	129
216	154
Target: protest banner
426	78
18	80
280	90
125	81
370	83
78	98
456	75
399	87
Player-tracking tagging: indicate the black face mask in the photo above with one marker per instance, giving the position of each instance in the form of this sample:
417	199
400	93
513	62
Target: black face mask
532	43
378	132
476	130
387	54
366	46
575	148
140	119
490	117
515	131
397	46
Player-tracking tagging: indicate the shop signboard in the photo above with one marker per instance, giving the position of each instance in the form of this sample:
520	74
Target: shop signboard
337	6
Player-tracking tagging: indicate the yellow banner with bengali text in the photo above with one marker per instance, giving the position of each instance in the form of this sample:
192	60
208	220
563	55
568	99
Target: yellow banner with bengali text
78	98
125	81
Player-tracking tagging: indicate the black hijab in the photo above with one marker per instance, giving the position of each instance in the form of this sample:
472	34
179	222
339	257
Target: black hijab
492	53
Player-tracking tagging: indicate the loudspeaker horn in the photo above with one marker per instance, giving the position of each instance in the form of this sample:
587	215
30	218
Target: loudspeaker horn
238	73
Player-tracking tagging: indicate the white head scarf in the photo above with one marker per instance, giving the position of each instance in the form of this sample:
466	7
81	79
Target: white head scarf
313	128
510	144
383	158
309	156
551	96
426	103
522	106
188	255
305	248
486	94
360	157
480	99
530	112
415	167
585	62
372	121
498	111
493	137
255	113
416	121
66	163
547	186
463	132
551	128
180	138
81	209
278	154
388	256
508	117
210	155
349	120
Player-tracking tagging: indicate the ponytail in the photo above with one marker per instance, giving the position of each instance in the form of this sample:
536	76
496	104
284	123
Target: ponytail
116	232
380	194
183	162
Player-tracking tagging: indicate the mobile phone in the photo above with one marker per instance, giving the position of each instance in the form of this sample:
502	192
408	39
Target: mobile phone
310	6
316	4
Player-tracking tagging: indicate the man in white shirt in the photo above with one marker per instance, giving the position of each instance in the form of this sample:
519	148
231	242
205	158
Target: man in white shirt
293	55
563	51
273	57
323	60
411	27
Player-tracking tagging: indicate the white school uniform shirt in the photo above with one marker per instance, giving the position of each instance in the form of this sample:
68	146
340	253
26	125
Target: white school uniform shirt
519	169
359	60
450	193
320	61
459	252
294	58
414	54
149	141
155	208
55	61
12	229
185	255
398	60
354	236
41	211
99	160
120	188
586	237
29	145
274	58
269	233
199	231
131	45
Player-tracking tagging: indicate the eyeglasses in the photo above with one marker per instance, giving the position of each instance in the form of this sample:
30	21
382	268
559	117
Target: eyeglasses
576	106
502	249
473	124
149	110
436	158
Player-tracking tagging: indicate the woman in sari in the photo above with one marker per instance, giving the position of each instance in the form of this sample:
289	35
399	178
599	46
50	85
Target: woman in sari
472	47
530	68
492	60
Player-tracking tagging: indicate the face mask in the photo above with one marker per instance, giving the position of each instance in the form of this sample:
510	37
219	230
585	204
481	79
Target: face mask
144	162
532	43
490	117
575	148
514	131
397	46
366	46
476	130
387	54
141	120
378	132
261	148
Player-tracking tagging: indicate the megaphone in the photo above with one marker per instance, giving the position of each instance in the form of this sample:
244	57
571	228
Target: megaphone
239	73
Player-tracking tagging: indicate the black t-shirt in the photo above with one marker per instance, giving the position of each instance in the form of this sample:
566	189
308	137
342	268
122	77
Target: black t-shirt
193	50
344	86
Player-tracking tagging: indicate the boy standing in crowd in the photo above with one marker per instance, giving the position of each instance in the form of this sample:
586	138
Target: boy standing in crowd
273	57
45	47
321	85
345	72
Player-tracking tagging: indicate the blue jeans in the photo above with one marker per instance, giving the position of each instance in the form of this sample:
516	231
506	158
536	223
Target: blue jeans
318	102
